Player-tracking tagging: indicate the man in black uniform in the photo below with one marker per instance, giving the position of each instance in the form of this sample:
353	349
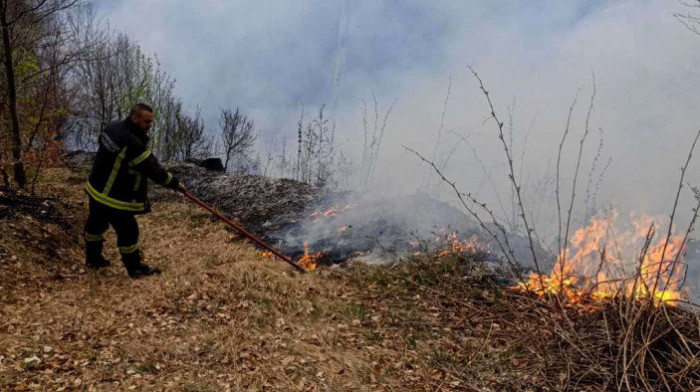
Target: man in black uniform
118	187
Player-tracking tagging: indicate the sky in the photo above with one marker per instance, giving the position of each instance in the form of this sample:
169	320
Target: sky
271	57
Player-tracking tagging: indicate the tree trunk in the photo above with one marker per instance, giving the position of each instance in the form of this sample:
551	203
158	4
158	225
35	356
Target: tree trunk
228	157
20	177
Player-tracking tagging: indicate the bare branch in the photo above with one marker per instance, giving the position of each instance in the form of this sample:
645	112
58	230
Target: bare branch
558	172
512	177
673	210
503	245
237	134
575	180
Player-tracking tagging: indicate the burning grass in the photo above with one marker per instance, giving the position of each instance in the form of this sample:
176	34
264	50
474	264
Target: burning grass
308	261
517	341
615	323
601	263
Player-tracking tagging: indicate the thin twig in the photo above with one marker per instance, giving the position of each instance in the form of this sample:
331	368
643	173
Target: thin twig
505	246
575	181
558	175
512	177
675	206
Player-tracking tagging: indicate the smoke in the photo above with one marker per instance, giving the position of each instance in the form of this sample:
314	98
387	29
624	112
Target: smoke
270	57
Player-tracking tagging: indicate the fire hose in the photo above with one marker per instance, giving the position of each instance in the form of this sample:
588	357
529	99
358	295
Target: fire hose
243	231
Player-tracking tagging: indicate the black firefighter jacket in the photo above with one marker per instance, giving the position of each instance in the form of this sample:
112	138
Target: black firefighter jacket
122	166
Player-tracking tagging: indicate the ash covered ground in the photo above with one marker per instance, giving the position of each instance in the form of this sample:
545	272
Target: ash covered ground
337	227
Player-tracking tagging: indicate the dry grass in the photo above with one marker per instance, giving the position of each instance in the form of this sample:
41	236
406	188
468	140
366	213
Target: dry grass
220	318
223	318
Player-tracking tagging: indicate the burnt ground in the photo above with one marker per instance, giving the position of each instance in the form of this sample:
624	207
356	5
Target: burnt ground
254	200
222	318
342	226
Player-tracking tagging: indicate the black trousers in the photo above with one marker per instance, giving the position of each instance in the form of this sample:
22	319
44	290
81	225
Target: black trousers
123	222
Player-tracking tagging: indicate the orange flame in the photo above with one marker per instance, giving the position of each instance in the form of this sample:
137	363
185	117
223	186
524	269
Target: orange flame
333	211
457	246
601	263
308	261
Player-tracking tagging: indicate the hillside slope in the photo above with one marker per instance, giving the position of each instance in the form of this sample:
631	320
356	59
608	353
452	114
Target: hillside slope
223	318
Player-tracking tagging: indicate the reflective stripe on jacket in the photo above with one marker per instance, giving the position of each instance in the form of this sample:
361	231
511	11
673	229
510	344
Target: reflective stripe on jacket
122	166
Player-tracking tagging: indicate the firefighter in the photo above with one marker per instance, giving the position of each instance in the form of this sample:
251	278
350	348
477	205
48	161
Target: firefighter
117	190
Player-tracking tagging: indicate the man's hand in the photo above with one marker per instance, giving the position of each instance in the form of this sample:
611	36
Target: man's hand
181	188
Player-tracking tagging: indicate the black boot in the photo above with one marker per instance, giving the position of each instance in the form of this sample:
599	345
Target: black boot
137	269
93	255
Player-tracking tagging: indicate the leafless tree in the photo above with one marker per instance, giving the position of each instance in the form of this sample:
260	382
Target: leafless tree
278	162
119	74
190	135
300	136
23	27
690	18
373	136
283	161
237	135
318	156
